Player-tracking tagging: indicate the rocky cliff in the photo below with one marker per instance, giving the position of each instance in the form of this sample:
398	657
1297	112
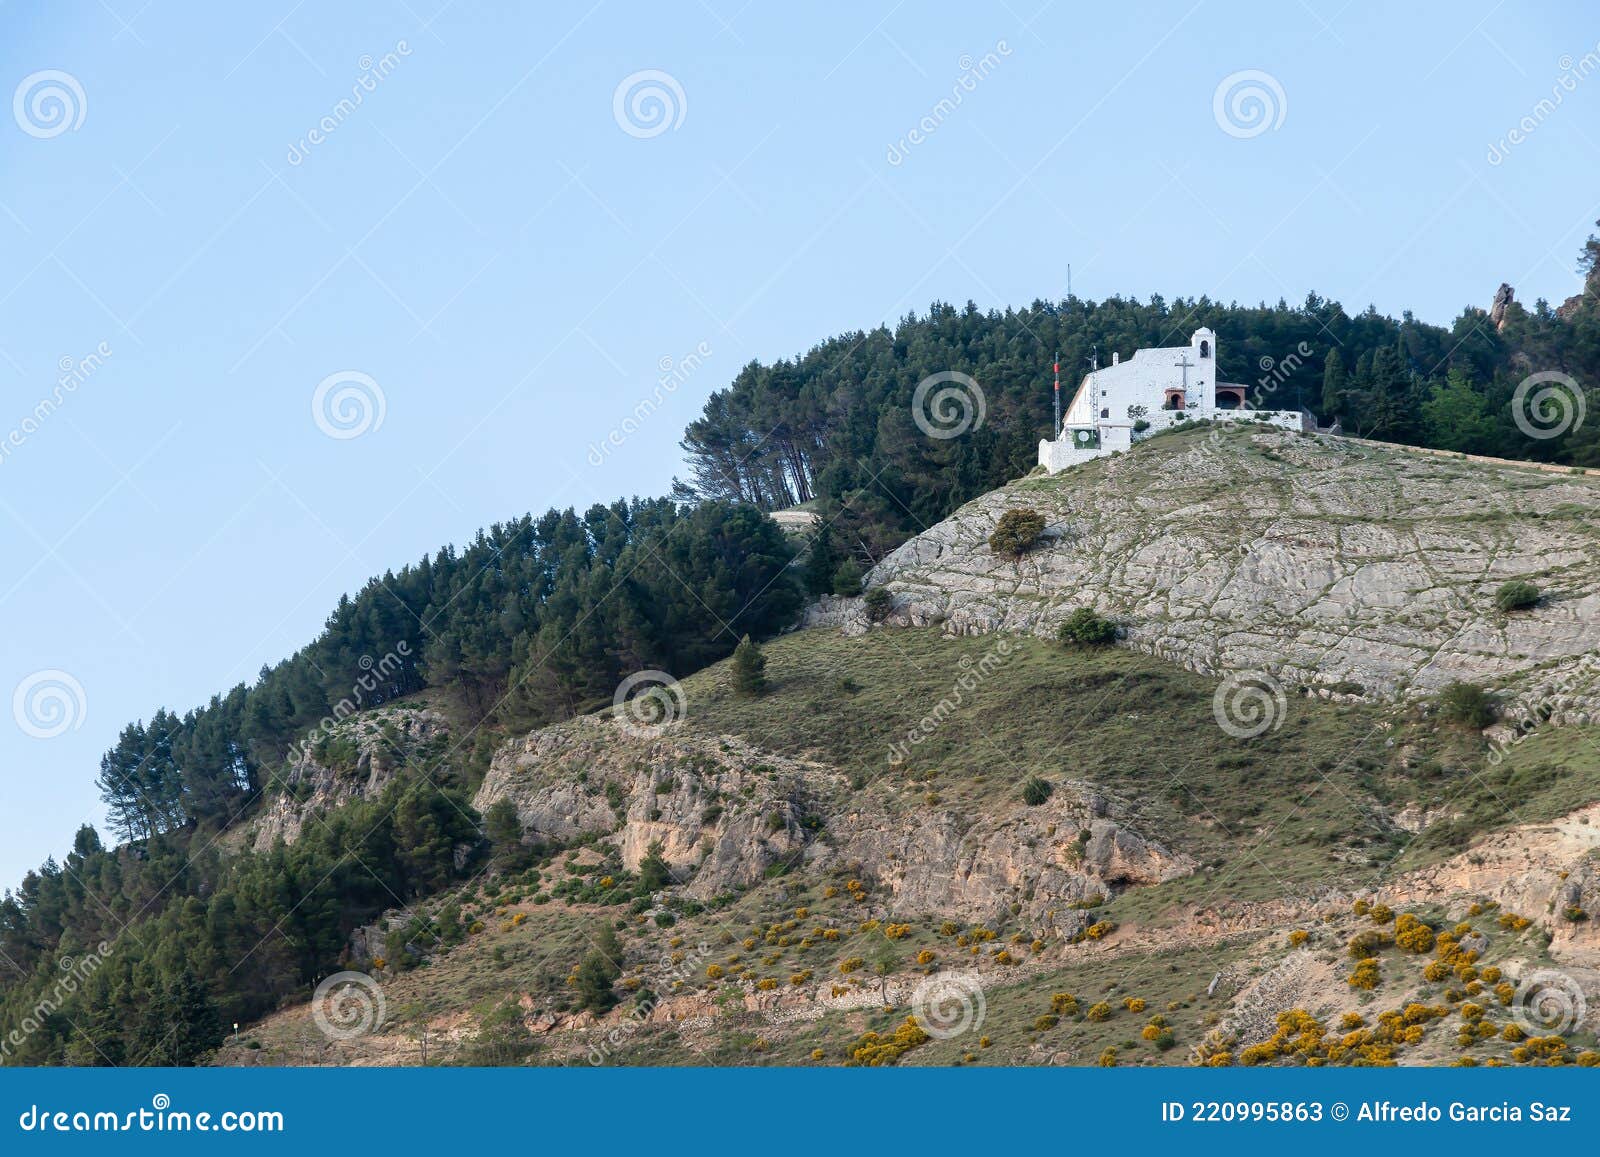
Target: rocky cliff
1318	560
725	813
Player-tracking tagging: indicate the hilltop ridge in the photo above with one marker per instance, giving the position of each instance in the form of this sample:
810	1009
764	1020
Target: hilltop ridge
1346	566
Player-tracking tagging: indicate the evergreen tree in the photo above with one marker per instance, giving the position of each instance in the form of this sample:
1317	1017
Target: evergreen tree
1456	417
822	562
847	579
1334	384
599	971
749	668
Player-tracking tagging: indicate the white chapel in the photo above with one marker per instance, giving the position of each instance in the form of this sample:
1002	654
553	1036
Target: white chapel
1119	404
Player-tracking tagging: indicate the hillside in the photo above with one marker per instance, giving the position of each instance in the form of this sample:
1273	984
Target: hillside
817	892
790	873
1300	717
1340	566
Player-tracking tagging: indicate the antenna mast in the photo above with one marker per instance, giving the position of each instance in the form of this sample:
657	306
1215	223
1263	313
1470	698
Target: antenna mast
1055	433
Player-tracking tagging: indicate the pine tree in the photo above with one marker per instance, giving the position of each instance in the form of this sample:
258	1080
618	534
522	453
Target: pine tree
599	971
847	579
1334	384
821	562
654	872
749	668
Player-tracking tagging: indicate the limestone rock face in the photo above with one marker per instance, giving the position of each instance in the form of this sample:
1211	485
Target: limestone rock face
725	811
1503	297
376	745
1339	565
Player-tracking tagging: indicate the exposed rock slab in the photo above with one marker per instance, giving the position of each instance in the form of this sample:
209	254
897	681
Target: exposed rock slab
1319	560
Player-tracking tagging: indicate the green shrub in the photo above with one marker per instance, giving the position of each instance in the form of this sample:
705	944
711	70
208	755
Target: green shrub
1035	791
1085	628
847	579
1017	532
879	601
1468	704
1516	596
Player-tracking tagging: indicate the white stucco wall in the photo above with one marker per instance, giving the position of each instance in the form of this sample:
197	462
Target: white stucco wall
1105	397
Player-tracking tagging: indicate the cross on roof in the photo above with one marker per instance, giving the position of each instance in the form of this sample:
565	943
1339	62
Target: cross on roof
1185	364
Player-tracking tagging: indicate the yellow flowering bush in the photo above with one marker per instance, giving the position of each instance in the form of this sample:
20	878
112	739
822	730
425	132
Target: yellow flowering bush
1366	975
1412	935
873	1049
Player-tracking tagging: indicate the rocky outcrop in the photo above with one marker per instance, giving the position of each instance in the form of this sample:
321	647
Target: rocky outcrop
725	812
1503	297
1320	561
359	758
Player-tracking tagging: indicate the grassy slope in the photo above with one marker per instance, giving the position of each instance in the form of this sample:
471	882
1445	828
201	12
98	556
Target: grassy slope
1265	814
1292	808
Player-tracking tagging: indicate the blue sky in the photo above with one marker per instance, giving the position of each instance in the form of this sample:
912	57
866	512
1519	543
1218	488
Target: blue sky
507	260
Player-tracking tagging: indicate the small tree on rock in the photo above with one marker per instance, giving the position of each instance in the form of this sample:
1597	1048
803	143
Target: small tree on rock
654	873
1469	705
1017	532
1087	629
1516	596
